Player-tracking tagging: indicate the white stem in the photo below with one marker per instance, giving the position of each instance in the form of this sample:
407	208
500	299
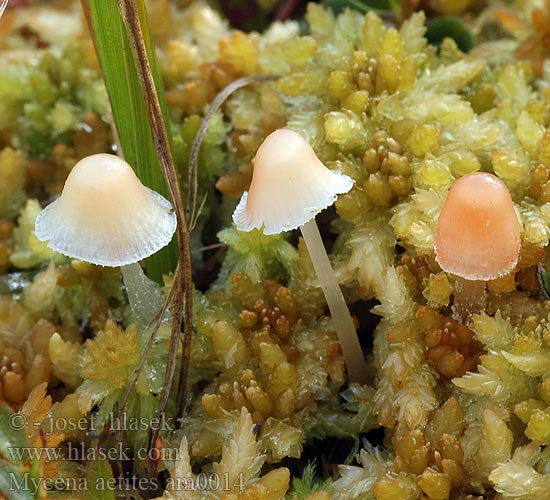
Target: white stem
353	354
469	299
144	296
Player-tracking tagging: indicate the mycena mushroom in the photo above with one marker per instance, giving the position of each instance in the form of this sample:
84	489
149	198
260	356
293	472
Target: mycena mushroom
106	216
289	187
477	238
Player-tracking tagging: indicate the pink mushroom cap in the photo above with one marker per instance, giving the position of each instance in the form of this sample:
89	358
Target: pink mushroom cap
478	232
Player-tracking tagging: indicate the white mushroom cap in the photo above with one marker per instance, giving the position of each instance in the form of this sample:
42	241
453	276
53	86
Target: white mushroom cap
289	185
105	215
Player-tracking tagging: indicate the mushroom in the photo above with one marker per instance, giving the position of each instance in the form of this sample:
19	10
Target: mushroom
289	187
477	238
106	216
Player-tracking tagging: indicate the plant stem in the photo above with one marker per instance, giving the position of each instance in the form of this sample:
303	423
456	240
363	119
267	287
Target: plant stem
351	349
183	282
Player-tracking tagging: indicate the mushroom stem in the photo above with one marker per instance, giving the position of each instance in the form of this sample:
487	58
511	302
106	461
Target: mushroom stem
469	298
144	295
351	349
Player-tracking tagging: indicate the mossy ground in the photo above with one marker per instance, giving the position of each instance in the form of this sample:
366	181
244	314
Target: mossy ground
452	411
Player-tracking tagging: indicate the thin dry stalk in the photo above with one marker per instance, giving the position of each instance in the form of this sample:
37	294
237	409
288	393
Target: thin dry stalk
183	285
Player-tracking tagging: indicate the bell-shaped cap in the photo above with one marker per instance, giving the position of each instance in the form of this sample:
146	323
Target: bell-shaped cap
105	215
478	232
289	185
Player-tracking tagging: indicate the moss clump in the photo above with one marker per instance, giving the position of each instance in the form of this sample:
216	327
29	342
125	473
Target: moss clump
464	409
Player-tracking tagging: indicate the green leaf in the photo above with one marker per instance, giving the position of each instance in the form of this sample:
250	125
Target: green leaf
128	105
99	481
450	27
306	485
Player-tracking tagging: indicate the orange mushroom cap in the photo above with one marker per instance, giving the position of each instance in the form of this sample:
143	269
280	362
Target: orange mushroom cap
478	232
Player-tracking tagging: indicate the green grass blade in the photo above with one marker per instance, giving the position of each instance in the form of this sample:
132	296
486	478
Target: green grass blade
127	102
